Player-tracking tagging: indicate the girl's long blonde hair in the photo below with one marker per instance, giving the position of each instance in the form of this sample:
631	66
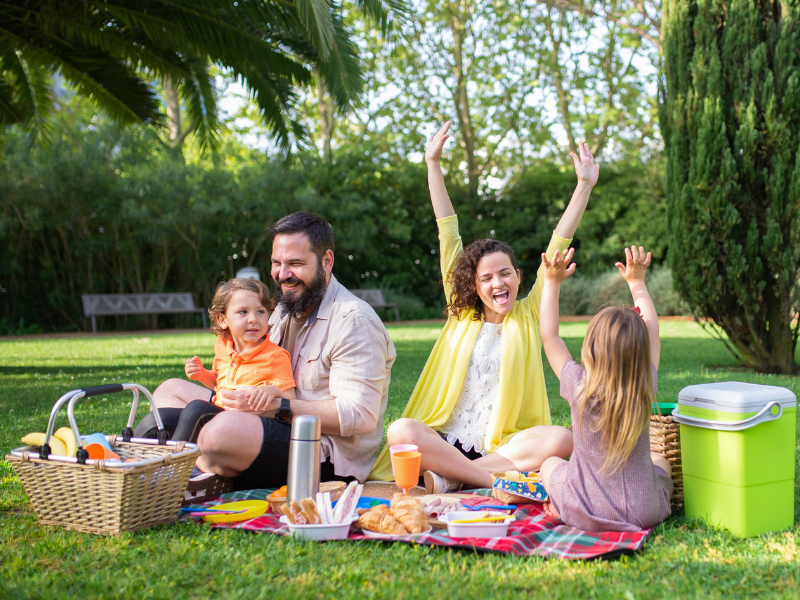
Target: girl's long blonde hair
618	387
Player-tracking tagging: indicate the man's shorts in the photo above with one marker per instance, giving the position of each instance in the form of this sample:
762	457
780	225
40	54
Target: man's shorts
270	468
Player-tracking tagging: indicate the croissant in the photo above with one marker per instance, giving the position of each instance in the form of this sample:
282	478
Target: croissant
412	517
377	519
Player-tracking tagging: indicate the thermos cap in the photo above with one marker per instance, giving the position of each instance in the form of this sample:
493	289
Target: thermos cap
306	428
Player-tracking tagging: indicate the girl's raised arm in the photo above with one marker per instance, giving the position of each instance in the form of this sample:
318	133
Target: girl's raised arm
587	172
555	271
633	271
442	207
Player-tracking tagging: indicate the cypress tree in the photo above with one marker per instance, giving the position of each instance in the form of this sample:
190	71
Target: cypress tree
730	116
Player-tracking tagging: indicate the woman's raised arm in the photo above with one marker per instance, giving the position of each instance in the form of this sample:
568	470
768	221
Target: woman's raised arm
442	207
587	172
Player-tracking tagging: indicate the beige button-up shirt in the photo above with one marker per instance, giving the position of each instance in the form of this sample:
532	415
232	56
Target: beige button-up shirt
344	352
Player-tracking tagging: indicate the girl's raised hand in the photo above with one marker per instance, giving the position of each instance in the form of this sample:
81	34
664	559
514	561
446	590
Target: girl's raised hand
435	144
636	263
193	367
556	270
585	167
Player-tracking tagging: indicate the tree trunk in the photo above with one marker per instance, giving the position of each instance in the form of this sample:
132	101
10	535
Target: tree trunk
327	119
466	137
558	81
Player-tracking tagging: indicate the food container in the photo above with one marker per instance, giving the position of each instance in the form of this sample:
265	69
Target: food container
320	532
334	488
487	529
738	446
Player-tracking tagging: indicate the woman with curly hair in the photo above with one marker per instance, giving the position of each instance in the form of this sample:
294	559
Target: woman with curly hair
480	405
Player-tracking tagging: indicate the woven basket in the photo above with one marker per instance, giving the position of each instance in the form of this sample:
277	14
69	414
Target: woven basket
665	439
101	496
106	499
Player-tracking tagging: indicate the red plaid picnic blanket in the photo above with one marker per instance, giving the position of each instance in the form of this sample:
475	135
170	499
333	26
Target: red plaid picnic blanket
532	534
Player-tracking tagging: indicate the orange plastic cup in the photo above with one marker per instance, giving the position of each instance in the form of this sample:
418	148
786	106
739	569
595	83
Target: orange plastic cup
406	469
100	452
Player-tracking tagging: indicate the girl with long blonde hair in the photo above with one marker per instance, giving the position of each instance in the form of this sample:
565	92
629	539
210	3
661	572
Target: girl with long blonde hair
611	482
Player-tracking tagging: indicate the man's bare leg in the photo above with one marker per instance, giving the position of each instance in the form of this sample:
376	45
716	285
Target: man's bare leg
177	393
230	442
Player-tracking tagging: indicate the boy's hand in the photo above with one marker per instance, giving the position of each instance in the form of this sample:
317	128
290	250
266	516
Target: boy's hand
556	270
263	398
193	368
585	168
435	144
636	263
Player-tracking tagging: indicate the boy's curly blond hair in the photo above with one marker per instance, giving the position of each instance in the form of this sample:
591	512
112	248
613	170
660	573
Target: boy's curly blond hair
223	295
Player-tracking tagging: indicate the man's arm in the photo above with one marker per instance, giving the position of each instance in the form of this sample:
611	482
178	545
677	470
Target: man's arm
357	375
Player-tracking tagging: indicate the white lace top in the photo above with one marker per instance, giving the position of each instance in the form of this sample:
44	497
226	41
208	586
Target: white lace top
470	418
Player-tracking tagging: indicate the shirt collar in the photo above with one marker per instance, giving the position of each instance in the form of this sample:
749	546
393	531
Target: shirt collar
247	354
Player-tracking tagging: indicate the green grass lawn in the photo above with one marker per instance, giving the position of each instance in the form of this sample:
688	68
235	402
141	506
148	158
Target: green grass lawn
684	559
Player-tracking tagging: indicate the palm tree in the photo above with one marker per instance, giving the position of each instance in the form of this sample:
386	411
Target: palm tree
112	50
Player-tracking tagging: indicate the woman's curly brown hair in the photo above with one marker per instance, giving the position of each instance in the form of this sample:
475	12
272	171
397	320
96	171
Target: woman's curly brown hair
223	295
462	278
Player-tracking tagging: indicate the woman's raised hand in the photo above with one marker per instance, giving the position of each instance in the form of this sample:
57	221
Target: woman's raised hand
636	263
585	167
557	270
435	144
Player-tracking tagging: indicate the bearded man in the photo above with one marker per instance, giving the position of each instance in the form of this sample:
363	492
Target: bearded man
341	360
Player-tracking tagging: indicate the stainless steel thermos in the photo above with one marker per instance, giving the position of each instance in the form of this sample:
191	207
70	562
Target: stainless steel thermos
303	477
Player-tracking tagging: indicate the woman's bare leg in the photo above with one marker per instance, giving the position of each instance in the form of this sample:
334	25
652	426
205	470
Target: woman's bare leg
528	450
437	454
177	393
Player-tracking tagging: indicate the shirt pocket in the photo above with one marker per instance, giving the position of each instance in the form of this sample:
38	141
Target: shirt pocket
309	367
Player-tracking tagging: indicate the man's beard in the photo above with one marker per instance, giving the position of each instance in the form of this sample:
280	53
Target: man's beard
311	294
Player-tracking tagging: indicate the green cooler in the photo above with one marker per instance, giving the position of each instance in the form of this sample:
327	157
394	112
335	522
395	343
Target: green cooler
738	452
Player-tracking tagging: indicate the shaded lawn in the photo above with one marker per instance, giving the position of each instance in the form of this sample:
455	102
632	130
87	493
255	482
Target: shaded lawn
684	559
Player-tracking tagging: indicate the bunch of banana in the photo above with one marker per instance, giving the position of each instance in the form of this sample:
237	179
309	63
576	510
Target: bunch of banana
62	442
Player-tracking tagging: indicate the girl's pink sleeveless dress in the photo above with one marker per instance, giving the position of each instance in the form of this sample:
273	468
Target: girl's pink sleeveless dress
634	497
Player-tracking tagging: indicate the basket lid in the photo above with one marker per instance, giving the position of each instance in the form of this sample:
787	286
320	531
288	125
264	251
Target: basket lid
735	396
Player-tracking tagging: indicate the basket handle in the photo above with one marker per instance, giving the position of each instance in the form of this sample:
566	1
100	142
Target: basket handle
97	390
764	415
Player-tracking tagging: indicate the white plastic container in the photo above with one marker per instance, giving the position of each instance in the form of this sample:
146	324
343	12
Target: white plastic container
487	529
320	532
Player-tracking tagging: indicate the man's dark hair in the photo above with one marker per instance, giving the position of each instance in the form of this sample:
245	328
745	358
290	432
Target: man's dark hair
318	230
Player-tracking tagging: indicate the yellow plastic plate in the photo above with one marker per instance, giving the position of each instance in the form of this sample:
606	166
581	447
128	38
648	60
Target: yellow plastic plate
252	508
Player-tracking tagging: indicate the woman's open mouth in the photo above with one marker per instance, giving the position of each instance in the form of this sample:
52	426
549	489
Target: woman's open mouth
500	298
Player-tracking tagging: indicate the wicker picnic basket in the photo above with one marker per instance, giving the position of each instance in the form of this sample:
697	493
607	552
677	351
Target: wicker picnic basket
665	439
103	496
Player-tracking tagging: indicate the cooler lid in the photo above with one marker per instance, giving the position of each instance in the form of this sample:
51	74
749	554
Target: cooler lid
735	396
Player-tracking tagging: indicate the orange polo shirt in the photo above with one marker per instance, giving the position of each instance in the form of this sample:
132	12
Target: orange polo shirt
266	364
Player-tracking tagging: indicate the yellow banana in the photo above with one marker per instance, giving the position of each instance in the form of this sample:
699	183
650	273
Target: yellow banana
37	439
65	435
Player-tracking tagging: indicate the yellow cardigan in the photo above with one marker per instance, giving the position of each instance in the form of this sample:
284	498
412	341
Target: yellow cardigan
522	401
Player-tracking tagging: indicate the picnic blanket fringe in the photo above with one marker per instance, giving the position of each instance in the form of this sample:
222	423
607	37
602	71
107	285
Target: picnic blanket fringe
532	534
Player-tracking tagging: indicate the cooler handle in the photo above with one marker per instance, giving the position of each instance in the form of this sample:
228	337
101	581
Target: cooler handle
762	416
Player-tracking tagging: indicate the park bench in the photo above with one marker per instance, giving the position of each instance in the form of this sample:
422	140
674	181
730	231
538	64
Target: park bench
95	305
375	299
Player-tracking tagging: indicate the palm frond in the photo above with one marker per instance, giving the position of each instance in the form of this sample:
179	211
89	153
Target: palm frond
200	98
27	96
341	72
